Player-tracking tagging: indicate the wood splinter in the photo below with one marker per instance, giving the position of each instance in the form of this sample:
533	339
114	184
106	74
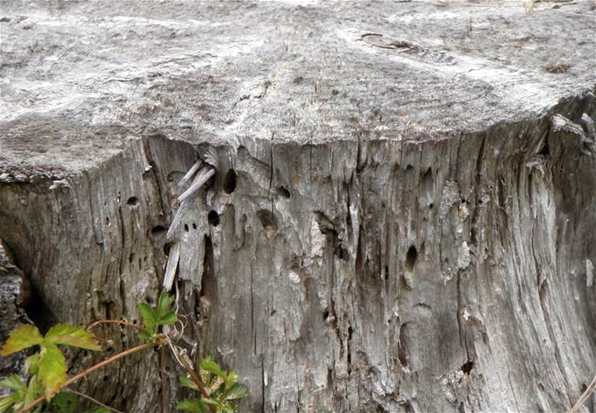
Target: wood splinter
177	218
202	176
171	267
191	172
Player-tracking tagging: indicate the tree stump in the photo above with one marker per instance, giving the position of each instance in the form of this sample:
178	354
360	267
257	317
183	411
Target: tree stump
402	217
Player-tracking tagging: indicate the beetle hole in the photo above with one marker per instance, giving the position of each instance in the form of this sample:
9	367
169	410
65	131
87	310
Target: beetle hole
132	201
229	183
466	368
268	220
411	257
283	191
186	229
213	218
157	231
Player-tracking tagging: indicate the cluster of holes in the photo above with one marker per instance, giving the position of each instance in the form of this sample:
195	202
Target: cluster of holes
187	228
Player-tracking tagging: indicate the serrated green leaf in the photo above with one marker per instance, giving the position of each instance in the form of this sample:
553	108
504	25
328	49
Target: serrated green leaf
13	382
211	366
34	390
237	391
52	369
186	381
7	401
32	363
231	379
163	304
211	401
64	403
193	406
168	319
22	338
150	317
70	335
145	336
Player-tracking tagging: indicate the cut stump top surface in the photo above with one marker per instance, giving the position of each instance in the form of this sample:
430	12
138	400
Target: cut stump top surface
79	79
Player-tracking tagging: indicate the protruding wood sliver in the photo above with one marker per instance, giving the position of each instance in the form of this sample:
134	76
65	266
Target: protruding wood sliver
182	209
171	267
202	176
191	172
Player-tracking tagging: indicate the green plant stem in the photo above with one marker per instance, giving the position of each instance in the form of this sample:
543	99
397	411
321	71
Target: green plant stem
91	369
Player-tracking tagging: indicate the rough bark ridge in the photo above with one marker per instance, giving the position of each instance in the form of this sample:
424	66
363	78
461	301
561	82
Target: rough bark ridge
341	259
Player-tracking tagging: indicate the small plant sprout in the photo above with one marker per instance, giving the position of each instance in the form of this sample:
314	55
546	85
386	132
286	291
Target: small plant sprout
153	318
222	388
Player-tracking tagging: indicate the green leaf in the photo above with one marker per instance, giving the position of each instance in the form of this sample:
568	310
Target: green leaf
237	391
32	363
150	317
13	382
7	401
211	401
70	335
145	336
163	304
52	369
211	366
168	318
186	381
231	379
34	390
193	406
64	403
22	338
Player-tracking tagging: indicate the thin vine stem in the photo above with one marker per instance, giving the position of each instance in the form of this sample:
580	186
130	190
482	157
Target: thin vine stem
92	399
120	322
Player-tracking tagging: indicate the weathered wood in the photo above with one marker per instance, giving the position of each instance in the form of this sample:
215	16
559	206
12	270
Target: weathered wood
401	221
171	267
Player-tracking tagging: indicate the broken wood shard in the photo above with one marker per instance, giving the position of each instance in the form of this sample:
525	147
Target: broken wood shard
171	267
202	176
